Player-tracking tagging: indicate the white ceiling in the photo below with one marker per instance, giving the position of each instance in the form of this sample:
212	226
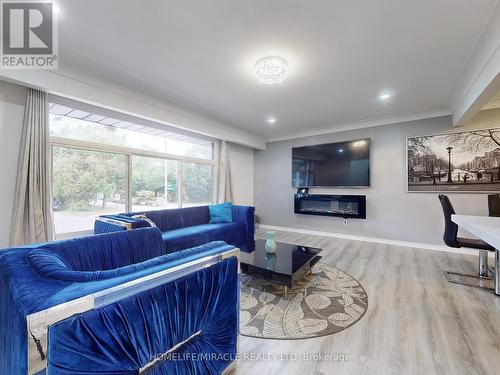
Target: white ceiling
342	54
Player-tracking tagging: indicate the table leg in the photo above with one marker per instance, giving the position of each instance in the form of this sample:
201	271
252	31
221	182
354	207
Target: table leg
497	272
483	263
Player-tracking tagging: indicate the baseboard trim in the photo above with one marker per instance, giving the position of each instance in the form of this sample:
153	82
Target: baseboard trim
386	241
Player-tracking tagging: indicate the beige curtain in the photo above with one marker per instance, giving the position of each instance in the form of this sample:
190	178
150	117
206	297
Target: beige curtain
32	219
224	191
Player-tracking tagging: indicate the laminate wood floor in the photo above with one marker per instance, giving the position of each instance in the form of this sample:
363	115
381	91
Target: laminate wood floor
416	323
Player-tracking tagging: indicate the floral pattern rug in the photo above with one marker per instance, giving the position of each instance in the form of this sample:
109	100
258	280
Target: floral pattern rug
322	303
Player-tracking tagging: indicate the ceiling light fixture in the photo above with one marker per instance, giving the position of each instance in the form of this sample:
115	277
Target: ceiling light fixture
385	96
271	70
271	120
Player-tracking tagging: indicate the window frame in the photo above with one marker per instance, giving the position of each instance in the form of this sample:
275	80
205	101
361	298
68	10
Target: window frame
129	153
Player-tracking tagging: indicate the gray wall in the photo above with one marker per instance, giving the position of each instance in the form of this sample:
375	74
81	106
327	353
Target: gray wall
392	213
12	101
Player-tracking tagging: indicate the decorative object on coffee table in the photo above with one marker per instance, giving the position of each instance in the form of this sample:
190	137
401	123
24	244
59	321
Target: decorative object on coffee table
290	264
270	242
323	303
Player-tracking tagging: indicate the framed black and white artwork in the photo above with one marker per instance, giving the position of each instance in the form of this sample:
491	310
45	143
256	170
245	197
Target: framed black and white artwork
466	161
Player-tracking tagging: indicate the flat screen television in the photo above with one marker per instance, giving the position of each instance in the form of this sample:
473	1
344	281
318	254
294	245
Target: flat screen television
343	164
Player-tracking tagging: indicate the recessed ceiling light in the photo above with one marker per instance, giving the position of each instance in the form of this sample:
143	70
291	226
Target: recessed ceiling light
385	96
271	120
341	150
271	70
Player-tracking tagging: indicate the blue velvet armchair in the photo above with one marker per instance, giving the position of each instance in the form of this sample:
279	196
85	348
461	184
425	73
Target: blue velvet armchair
186	227
118	303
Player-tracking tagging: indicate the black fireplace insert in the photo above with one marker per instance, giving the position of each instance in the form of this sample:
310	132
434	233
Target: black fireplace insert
345	206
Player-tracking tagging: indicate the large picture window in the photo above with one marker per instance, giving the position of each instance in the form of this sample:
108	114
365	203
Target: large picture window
102	165
154	183
86	184
197	186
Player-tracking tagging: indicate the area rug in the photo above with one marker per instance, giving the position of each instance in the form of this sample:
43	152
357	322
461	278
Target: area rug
325	302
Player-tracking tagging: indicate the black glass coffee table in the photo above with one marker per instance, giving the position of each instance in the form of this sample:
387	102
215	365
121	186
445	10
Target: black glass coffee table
285	267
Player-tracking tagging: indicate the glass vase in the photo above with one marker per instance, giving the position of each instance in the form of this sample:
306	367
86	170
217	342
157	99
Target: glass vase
270	242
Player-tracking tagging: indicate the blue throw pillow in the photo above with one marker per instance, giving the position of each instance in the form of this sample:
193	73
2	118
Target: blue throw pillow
221	213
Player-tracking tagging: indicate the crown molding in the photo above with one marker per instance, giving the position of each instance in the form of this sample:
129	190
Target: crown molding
363	124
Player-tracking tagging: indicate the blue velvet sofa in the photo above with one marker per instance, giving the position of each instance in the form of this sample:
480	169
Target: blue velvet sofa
186	227
118	303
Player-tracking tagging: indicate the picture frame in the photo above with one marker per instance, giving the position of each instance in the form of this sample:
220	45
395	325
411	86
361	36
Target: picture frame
454	162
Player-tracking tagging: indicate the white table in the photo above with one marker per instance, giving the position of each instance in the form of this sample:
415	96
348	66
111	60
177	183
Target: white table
487	229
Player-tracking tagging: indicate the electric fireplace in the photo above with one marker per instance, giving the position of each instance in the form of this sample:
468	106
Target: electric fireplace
345	206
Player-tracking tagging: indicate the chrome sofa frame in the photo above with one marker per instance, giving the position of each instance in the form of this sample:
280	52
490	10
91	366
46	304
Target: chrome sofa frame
38	323
127	226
